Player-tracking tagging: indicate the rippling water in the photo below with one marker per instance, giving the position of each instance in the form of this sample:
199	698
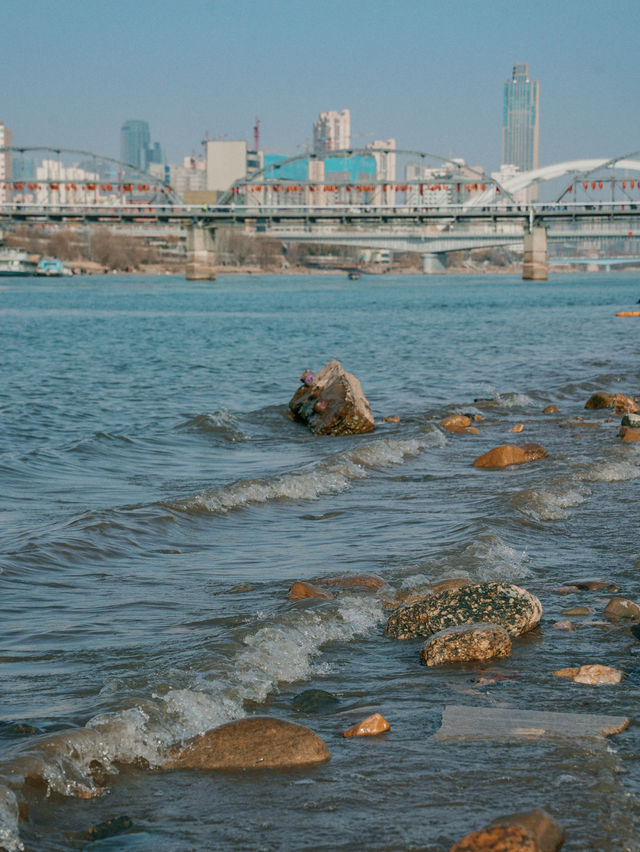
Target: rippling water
156	505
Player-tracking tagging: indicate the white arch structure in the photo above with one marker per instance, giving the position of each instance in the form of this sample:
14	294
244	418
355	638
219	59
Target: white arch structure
579	169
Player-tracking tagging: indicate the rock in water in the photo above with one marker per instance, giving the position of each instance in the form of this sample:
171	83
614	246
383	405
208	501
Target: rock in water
516	609
466	643
618	401
315	701
257	742
333	404
536	831
369	727
509	454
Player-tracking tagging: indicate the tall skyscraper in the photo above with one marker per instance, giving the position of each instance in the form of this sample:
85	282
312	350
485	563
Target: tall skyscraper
135	145
332	131
521	119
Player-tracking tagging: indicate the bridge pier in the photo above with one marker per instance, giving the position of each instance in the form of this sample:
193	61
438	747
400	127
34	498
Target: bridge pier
434	262
201	253
535	266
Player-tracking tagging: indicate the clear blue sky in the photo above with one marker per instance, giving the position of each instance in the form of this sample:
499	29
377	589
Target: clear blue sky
428	72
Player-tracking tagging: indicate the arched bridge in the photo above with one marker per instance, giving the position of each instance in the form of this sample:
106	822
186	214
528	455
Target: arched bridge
349	196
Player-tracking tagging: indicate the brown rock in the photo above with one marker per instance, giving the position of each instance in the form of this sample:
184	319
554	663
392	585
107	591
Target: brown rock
517	428
497	838
629	434
367	581
620	608
516	609
300	590
550	409
509	454
618	401
455	423
332	402
594	675
257	742
563	625
392	418
466	643
592	585
369	727
577	610
548	833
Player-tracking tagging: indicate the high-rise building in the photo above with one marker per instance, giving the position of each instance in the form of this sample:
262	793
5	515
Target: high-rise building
521	120
5	160
135	145
332	131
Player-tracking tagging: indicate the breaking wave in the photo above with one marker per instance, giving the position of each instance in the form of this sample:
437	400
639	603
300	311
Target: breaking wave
550	504
330	476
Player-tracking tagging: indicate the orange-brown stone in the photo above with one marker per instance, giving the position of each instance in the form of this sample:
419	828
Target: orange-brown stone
629	434
531	831
257	742
618	401
550	409
300	590
369	727
517	428
455	423
348	581
509	454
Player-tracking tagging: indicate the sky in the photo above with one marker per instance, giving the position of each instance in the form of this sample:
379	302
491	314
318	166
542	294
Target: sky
429	73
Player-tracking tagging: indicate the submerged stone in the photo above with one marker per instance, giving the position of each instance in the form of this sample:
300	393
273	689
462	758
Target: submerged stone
301	590
531	831
257	742
315	701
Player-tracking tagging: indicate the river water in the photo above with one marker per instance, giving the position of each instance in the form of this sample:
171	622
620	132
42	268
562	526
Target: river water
157	504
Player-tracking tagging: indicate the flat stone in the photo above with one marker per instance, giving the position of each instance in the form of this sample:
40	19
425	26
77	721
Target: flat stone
369	727
517	428
509	454
594	675
349	581
496	723
466	643
301	590
577	610
592	585
257	742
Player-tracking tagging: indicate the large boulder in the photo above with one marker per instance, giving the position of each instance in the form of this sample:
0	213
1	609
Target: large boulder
466	643
516	609
509	454
331	402
257	742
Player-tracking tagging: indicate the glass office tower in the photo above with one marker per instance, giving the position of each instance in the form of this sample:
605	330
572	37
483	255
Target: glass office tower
520	123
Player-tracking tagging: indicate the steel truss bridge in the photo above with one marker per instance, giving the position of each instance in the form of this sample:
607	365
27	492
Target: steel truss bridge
444	205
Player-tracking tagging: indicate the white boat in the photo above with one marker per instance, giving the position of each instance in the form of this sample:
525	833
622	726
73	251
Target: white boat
15	261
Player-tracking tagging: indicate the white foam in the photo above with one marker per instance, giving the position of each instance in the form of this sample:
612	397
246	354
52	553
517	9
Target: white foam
511	400
495	560
331	476
611	471
551	504
9	837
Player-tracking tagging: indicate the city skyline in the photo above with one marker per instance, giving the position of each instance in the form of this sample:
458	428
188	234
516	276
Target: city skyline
428	75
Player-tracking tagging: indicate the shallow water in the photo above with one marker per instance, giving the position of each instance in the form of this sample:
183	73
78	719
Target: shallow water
157	504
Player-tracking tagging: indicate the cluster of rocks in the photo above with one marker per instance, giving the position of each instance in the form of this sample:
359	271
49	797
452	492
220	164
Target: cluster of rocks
621	404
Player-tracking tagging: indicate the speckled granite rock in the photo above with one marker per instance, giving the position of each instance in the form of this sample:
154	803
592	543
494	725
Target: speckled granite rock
331	402
514	608
466	643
